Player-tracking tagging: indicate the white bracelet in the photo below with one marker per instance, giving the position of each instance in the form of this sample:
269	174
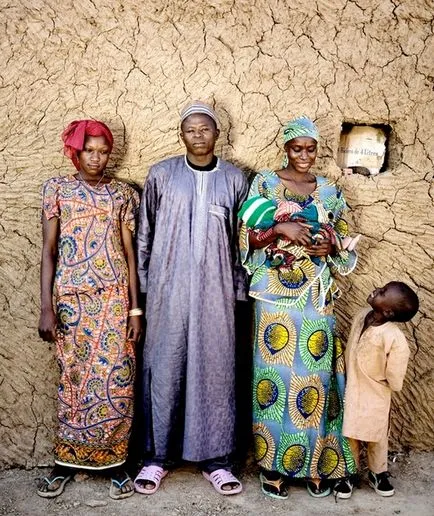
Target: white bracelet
135	311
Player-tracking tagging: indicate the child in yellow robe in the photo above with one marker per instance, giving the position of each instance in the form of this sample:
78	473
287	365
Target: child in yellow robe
376	362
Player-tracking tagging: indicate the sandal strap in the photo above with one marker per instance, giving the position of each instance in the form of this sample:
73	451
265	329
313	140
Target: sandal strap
274	483
118	484
222	477
55	479
151	473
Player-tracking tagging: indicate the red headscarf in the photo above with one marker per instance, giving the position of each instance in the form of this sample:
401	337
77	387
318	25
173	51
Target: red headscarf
74	135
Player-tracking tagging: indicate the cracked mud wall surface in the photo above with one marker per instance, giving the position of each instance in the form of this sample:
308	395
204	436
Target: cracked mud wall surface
134	65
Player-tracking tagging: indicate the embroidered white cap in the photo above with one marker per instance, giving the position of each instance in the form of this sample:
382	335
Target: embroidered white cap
196	107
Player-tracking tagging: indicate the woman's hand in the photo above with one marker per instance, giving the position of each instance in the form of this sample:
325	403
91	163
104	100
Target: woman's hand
321	248
48	321
47	325
297	232
134	329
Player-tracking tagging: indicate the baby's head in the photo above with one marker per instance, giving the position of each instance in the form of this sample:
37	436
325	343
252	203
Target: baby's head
396	301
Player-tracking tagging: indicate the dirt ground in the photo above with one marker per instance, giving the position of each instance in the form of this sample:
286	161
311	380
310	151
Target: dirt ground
185	492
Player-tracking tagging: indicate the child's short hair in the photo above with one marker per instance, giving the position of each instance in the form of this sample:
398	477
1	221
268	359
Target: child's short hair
408	304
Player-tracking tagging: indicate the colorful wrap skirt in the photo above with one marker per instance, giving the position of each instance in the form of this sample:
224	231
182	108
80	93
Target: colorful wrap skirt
97	369
298	391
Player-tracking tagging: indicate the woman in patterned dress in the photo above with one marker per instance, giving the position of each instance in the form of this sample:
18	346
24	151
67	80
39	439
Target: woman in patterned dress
298	361
89	265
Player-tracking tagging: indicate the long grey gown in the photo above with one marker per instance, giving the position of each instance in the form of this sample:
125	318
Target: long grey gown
189	267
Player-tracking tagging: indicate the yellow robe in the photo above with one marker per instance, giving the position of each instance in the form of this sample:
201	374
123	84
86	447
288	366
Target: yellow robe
376	363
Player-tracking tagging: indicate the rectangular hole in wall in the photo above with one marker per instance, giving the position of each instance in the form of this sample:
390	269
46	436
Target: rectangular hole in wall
364	148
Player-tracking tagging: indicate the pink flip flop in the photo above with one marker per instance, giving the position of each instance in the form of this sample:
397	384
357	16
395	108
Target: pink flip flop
221	477
148	474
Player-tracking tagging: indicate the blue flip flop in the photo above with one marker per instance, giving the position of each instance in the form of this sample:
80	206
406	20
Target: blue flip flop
115	484
55	492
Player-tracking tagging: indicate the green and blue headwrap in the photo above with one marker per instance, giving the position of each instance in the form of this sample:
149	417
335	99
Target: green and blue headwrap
301	126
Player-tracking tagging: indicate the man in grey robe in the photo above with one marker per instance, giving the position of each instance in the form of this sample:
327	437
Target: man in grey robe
189	268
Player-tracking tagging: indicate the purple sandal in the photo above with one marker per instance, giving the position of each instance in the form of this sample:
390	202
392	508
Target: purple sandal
222	477
147	475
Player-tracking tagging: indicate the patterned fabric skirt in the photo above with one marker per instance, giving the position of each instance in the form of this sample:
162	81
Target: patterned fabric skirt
298	389
97	368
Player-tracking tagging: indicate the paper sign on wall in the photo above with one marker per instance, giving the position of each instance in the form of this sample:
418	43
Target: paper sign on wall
362	146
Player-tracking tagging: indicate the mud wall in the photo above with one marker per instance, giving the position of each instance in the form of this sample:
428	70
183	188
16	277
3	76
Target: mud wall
134	64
